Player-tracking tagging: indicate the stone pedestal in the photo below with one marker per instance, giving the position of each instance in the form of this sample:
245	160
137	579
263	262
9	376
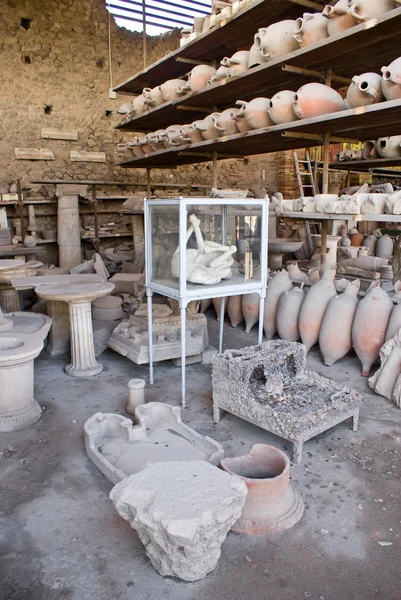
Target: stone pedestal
9	299
59	336
5	322
69	238
18	408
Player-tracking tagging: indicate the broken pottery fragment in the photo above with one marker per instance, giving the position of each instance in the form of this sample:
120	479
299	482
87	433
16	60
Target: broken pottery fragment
182	513
369	327
387	381
277	286
313	308
335	340
272	504
118	448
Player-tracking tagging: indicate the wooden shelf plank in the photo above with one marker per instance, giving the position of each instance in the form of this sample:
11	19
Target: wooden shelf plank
364	123
365	165
347	53
326	217
222	40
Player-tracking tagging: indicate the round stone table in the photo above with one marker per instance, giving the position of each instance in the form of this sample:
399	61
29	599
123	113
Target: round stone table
79	297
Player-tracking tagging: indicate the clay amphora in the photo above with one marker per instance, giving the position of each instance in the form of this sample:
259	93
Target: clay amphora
173	133
389	147
234	310
313	309
316	99
144	143
207	127
395	322
153	97
339	18
199	76
171	89
221	76
385	247
391	80
217	306
363	10
124	109
367	263
250	310
242	123
271	505
225	122
138	105
157	139
136	147
296	274
204	305
237	64
281	107
370	242
255	57
289	306
255	113
364	90
335	339
192	132
356	238
276	40
310	28
277	286
370	325
369	149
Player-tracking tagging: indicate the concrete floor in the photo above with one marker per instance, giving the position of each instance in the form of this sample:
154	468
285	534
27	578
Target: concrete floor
61	538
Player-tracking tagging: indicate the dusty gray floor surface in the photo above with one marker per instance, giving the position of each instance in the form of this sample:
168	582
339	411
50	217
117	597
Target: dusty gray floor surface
60	536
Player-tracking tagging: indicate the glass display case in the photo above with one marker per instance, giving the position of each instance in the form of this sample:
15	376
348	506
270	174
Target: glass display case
197	248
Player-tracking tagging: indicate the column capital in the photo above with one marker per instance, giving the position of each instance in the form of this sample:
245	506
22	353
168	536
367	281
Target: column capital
71	189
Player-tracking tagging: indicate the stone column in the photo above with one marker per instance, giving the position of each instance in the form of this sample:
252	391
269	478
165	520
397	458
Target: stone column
83	361
5	323
69	238
59	336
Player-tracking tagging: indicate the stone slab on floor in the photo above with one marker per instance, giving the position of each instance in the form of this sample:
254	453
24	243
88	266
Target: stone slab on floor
182	513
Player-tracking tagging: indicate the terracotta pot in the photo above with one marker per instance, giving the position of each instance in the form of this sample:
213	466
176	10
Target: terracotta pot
281	107
144	143
136	147
234	310
395	322
157	140
391	80
389	147
276	40
363	10
153	97
171	89
314	307
316	99
369	149
124	109
370	242
199	76
237	64
335	339
204	305
138	105
289	306
310	28
296	274
226	122
356	238
217	307
173	133
242	123
255	57
255	113
278	284
250	310
207	127
221	76
364	90
370	325
385	247
339	18
271	504
192	132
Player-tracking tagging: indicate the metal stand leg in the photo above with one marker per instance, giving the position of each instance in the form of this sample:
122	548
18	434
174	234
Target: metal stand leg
183	313
261	315
355	419
222	309
150	335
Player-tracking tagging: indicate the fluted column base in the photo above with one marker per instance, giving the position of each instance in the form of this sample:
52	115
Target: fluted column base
5	323
83	361
9	299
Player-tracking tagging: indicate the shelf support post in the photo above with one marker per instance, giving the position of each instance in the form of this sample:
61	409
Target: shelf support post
144	37
21	208
148	187
214	171
96	220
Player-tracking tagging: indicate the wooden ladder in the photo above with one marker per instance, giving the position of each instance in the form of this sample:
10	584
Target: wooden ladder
306	181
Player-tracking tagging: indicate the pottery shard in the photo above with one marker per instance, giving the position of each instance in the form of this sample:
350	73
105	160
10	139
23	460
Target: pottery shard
387	381
182	512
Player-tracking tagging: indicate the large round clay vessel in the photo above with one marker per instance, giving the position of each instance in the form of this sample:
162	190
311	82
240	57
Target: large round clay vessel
389	147
313	308
281	107
365	89
363	10
356	237
171	89
234	310
391	80
310	28
199	76
339	18
271	504
192	132
370	242
256	112
226	122
217	306
242	123
385	247
370	326
335	339
207	127
139	105
250	310
278	284
289	306
153	97
316	99
237	64
255	57
276	40
395	322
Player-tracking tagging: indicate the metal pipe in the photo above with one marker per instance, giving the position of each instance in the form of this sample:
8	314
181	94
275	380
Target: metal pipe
206	12
144	40
135	20
165	10
150	14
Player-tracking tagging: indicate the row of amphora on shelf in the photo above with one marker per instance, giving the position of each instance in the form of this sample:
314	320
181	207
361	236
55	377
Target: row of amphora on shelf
336	321
389	147
270	43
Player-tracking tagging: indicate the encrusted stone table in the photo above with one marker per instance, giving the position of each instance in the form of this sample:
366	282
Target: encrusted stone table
79	297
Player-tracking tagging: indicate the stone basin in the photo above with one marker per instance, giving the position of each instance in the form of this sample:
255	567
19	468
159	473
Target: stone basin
30	323
284	245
